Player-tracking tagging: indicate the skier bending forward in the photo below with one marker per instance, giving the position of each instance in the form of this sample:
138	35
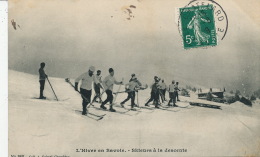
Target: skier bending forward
86	79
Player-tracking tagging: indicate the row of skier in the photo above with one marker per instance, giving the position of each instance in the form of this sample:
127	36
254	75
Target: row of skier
158	89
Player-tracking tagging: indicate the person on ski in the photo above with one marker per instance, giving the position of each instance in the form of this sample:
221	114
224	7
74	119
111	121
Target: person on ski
42	77
86	79
176	89
163	90
154	93
131	88
97	87
171	91
138	82
108	84
158	79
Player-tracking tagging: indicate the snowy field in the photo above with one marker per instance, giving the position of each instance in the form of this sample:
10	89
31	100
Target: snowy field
43	127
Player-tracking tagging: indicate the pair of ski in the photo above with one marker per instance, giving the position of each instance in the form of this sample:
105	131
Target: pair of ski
126	91
160	107
92	115
89	114
99	117
107	110
50	99
126	110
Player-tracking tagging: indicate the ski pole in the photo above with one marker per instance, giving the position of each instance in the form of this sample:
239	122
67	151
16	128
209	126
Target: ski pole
52	89
68	80
137	99
126	91
117	91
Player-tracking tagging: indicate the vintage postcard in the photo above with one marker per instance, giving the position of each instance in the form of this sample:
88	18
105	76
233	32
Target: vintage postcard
133	78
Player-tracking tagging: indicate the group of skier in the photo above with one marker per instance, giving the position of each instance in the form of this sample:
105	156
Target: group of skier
158	89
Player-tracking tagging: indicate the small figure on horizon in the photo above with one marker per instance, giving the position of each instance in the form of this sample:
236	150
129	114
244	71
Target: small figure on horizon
42	77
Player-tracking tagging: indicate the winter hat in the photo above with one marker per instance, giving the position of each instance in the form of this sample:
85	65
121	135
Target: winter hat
111	70
92	68
99	71
42	64
134	78
133	75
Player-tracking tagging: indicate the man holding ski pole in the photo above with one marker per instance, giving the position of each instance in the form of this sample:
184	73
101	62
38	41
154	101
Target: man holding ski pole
42	77
86	79
97	87
176	89
154	93
131	88
108	84
137	81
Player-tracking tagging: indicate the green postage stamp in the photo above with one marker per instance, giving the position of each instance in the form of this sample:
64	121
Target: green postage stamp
198	26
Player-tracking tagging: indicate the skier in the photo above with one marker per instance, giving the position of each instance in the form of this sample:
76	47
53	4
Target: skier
138	82
171	93
176	89
86	79
131	88
163	90
42	77
154	93
108	84
97	87
158	79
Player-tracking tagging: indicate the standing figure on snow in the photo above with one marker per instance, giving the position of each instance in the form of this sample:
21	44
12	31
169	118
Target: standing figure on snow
172	94
163	90
42	77
138	82
108	84
131	88
176	89
154	93
97	87
86	79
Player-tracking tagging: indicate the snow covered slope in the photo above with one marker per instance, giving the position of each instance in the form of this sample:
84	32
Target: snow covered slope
50	127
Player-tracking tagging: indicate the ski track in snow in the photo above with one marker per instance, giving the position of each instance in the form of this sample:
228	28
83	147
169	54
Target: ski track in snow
53	127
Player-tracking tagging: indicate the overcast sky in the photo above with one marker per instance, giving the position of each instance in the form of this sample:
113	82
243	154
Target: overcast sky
71	35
